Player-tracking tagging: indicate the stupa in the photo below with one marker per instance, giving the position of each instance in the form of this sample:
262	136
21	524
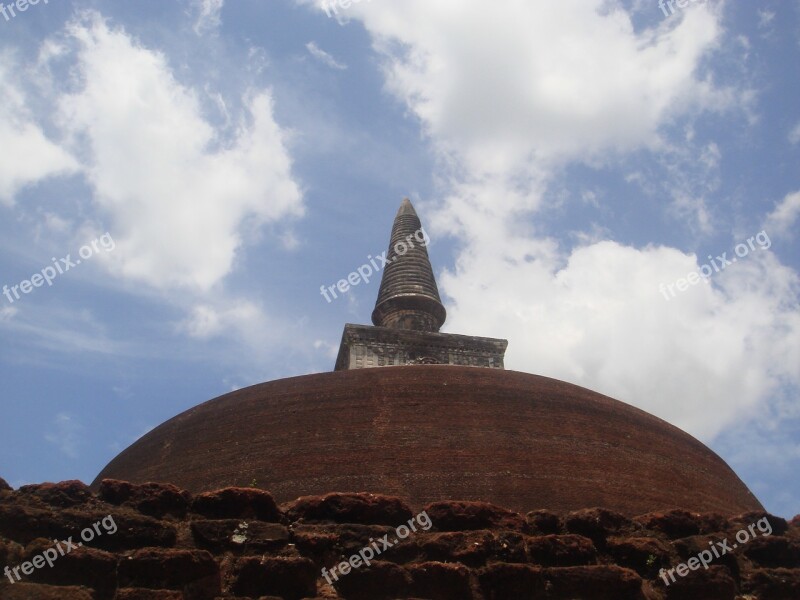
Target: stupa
427	416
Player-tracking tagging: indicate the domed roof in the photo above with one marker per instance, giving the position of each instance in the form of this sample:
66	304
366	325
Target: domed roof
434	432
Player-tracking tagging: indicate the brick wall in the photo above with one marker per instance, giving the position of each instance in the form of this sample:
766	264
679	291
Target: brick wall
237	543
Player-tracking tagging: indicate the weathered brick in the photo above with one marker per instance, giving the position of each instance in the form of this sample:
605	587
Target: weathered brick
152	499
606	582
645	555
237	503
24	524
239	535
36	591
466	516
326	543
439	581
83	566
561	550
597	524
544	522
195	572
65	494
380	581
778	525
473	548
772	584
364	509
520	582
715	582
774	552
291	578
673	524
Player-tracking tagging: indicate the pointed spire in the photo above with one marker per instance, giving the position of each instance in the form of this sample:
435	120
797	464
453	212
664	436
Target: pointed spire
408	297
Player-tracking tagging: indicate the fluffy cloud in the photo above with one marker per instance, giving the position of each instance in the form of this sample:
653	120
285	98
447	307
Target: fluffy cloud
176	193
35	156
502	84
781	220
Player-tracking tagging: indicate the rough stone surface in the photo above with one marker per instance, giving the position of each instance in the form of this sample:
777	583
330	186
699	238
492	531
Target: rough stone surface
411	432
365	509
237	503
236	543
152	499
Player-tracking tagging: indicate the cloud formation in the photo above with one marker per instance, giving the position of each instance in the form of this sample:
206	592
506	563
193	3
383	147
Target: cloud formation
35	156
175	192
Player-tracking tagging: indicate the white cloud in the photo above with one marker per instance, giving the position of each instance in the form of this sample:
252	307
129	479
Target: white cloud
35	156
206	321
794	135
781	220
207	14
502	85
324	57
175	193
66	433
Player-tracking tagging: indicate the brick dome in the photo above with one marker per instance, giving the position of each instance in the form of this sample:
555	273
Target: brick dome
436	432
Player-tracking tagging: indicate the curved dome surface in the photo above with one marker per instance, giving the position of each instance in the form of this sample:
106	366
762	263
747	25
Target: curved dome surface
433	432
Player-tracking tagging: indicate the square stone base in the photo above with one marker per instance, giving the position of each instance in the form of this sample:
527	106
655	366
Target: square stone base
364	346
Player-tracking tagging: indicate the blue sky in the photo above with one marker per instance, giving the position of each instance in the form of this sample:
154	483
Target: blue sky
580	166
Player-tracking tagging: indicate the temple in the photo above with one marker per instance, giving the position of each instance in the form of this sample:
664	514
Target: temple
446	422
409	313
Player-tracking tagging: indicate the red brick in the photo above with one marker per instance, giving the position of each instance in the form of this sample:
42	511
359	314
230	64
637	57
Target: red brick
715	582
645	555
594	583
544	522
35	591
673	524
772	584
195	572
520	582
291	578
61	495
561	550
239	536
364	509
466	516
379	581
237	503
439	581
152	499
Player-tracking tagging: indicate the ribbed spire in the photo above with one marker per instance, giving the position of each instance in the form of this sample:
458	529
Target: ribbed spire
408	297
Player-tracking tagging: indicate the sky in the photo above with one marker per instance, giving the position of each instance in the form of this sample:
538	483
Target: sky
610	185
